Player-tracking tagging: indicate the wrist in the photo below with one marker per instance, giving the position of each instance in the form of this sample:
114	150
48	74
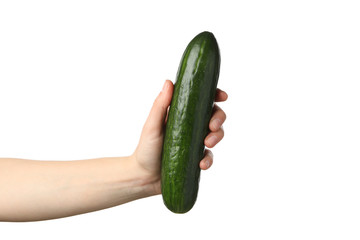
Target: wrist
149	182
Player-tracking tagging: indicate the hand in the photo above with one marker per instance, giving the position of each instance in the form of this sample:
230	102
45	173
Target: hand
148	152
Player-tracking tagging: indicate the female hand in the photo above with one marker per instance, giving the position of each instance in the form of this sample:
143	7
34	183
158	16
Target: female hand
148	152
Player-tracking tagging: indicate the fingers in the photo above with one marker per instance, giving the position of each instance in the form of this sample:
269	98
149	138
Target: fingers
217	119
217	131
220	96
214	137
156	118
207	161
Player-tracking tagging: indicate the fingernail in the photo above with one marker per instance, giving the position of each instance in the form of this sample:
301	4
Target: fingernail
212	140
216	124
207	163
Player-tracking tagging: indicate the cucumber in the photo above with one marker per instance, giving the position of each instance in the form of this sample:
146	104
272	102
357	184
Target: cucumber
188	122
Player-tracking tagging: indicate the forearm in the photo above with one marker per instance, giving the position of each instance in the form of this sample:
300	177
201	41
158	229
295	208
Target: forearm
38	190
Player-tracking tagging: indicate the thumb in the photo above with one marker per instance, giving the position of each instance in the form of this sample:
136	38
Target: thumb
156	118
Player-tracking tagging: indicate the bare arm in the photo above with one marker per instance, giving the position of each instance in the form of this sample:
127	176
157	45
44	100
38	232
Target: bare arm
37	190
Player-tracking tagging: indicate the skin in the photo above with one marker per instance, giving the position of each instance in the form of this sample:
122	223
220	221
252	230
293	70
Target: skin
34	190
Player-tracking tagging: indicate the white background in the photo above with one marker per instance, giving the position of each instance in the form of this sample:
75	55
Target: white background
78	78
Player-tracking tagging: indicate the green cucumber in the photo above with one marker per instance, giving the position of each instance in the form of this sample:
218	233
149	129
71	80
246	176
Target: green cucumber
188	122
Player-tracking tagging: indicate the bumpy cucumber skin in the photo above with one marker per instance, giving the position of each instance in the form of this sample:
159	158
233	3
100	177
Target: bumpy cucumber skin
188	122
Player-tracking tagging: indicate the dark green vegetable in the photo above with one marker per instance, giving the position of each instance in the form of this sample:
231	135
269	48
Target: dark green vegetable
188	122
